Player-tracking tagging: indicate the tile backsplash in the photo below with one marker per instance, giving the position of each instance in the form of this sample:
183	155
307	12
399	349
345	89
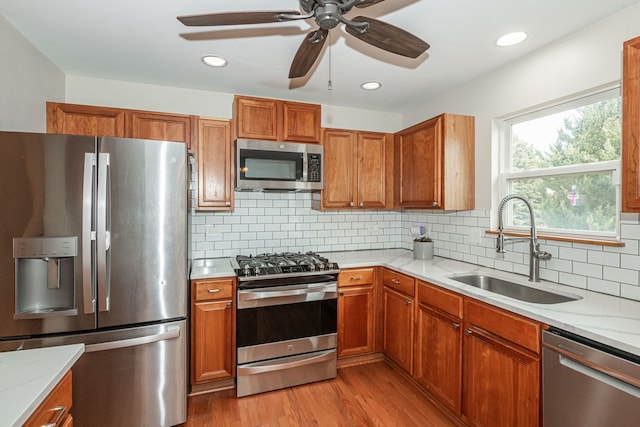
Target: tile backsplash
277	222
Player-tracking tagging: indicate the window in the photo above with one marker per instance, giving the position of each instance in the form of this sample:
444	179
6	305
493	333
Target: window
566	160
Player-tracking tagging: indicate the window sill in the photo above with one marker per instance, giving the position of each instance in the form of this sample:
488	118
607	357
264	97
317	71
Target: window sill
611	243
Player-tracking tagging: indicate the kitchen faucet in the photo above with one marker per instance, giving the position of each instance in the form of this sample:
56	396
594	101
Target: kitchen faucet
535	254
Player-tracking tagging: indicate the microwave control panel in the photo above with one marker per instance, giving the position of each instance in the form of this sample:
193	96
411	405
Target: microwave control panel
315	167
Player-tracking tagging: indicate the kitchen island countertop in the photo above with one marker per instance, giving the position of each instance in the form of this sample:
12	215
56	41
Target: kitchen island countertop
28	376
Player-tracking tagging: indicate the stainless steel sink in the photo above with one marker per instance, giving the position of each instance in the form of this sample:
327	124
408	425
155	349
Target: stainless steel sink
513	290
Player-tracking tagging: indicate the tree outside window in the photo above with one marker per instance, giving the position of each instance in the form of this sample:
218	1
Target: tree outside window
566	160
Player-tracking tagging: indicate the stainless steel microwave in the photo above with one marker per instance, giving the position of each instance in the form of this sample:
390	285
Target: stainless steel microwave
278	166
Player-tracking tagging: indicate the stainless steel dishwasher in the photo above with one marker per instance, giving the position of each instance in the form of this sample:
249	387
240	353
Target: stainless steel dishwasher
588	384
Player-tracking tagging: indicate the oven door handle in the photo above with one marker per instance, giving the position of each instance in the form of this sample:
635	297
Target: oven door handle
274	365
248	295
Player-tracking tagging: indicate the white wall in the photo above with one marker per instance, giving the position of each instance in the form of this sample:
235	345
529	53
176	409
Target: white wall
27	80
586	59
112	93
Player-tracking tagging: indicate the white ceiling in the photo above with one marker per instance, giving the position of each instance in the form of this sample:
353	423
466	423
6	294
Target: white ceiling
141	41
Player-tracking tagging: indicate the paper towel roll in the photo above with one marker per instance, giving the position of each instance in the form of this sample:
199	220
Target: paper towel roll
417	230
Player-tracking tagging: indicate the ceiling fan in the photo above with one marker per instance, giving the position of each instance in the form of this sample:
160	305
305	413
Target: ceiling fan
327	14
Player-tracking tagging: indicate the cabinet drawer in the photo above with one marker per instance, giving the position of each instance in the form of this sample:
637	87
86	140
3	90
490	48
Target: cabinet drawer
439	298
510	326
356	276
399	282
55	407
204	290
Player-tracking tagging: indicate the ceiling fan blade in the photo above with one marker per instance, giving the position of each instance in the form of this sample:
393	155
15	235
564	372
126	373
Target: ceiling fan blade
389	37
367	3
307	53
235	18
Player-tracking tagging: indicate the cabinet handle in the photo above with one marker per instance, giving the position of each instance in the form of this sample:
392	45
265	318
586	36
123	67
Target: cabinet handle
455	326
468	332
213	291
228	305
61	411
227	203
435	203
396	281
355	278
361	204
408	302
350	203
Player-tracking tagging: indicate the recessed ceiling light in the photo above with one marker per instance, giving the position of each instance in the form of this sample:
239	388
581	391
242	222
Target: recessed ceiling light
371	85
511	39
214	61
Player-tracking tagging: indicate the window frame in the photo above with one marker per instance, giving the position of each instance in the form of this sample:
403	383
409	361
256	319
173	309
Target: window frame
505	175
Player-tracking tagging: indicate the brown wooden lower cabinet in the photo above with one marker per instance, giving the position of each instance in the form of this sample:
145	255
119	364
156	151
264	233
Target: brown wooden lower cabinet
55	410
356	311
501	367
398	318
212	330
438	356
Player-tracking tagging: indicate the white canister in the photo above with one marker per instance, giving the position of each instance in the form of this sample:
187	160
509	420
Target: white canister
422	250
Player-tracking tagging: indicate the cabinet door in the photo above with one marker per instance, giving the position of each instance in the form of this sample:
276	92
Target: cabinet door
339	174
631	126
57	404
502	383
212	340
398	328
372	171
355	320
215	171
419	151
72	119
256	118
439	356
301	122
162	126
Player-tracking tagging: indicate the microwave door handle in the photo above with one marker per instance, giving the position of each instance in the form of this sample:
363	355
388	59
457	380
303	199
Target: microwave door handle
88	236
103	234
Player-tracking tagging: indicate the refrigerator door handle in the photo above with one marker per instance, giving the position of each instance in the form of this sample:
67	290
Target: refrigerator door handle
103	235
172	332
88	236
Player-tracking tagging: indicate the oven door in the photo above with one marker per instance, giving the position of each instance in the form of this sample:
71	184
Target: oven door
285	320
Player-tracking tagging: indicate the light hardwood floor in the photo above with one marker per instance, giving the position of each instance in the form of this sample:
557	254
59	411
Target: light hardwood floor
373	394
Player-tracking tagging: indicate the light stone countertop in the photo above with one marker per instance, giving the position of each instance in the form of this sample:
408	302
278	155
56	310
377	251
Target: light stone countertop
210	268
607	319
28	376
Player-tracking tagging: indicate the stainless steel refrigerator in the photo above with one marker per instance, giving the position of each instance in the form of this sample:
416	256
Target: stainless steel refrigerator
93	250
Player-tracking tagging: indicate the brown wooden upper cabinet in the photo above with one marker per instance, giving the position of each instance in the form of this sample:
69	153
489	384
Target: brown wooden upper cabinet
358	170
276	120
215	165
75	119
631	126
435	164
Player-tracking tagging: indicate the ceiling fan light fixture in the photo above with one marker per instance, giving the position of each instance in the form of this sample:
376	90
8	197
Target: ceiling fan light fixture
371	85
512	39
214	61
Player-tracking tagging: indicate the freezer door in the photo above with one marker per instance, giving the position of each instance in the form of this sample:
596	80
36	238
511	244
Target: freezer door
45	233
126	377
141	231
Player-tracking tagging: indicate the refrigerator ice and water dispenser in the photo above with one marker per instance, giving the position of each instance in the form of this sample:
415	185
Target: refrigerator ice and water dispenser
45	276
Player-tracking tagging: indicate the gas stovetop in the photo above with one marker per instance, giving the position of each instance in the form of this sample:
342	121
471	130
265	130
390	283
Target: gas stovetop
286	263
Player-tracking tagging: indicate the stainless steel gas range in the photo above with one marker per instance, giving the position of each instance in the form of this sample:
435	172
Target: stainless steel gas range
286	320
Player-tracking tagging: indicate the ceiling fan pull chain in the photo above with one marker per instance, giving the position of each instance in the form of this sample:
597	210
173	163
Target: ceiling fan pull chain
329	85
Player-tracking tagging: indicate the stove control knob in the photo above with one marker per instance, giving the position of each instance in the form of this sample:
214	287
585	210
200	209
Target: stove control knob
312	267
256	271
321	266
